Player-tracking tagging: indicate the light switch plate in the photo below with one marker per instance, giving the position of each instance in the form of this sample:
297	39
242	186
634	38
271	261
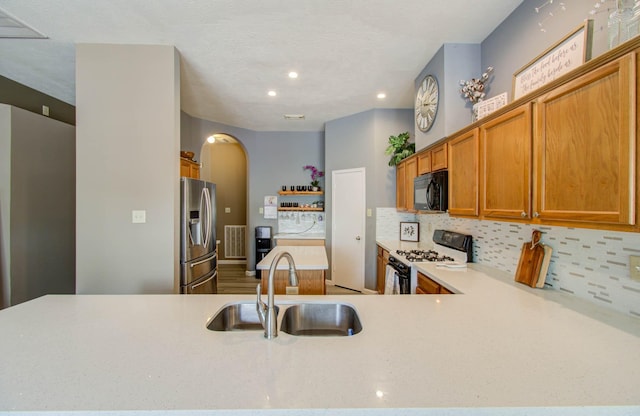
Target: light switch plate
260	210
634	267
369	212
138	216
227	210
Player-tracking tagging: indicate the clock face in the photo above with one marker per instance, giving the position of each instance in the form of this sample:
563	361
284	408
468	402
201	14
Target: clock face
426	103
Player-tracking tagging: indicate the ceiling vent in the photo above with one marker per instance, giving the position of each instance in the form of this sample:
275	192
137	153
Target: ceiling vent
10	27
294	116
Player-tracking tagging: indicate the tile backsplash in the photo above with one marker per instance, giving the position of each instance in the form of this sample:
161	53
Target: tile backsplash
589	264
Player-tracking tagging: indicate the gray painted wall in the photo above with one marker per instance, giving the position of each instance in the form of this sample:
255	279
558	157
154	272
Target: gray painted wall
360	141
519	38
37	188
128	131
452	63
273	159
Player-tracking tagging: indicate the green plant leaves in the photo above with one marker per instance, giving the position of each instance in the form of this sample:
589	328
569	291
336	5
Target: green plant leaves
400	148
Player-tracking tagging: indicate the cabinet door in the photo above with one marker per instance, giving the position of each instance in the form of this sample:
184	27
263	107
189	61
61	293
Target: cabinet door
439	157
195	171
585	147
505	160
427	285
463	174
424	163
185	168
411	172
401	204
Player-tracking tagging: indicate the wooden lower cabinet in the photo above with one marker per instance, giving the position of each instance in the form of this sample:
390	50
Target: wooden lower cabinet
426	286
382	260
463	174
189	168
310	282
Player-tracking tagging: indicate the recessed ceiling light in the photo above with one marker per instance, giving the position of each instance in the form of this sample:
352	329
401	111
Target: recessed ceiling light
293	74
382	95
272	93
294	116
211	139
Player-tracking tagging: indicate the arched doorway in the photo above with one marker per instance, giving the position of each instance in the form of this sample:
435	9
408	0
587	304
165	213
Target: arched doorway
224	162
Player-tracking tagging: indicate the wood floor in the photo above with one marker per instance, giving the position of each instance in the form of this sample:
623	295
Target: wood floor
233	280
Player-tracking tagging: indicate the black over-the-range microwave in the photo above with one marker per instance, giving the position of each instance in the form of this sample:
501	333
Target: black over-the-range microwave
430	191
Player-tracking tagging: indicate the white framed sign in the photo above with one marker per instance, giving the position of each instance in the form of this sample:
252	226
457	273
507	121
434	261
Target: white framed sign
564	56
486	107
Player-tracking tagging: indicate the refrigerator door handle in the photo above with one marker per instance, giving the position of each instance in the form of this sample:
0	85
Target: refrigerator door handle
204	281
203	218
194	264
208	222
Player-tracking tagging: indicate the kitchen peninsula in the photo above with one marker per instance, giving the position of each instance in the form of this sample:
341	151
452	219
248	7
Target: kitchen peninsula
311	263
496	348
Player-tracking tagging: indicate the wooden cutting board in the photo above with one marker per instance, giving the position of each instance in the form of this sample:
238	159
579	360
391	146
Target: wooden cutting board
548	251
530	263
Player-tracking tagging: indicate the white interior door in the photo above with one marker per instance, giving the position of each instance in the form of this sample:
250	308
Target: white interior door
348	209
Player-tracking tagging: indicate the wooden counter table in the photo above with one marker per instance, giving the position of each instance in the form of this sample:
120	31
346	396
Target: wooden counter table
311	264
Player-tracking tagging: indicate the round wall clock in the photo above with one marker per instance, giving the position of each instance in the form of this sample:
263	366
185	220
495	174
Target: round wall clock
427	103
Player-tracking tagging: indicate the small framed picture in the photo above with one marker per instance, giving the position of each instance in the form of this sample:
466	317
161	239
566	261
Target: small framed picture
409	231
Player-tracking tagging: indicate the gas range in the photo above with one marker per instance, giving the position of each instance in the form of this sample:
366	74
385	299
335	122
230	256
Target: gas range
450	249
423	255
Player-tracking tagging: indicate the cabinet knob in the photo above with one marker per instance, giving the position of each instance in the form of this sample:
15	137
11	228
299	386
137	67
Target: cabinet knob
536	215
523	214
358	238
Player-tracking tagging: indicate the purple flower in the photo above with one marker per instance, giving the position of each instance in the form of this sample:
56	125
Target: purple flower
315	174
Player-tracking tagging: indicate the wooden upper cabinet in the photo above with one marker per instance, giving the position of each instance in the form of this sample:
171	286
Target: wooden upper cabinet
401	203
463	174
585	147
433	159
505	165
406	172
411	172
439	157
189	168
424	162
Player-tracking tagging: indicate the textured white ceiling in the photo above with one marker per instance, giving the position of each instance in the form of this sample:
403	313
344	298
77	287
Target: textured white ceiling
234	51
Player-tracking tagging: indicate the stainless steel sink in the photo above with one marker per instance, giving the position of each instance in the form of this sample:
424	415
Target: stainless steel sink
237	317
321	319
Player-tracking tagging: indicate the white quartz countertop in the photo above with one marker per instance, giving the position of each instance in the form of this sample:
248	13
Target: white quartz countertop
305	258
300	236
496	349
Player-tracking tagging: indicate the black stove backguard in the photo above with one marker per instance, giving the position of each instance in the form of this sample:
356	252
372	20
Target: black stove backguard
455	241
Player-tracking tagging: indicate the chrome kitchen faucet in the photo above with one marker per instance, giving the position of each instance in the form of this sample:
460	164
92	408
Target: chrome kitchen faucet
267	313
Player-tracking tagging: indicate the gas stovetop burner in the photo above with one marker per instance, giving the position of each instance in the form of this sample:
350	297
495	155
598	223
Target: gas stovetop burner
423	255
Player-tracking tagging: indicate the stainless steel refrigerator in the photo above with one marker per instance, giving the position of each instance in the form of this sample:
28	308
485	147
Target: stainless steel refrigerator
198	257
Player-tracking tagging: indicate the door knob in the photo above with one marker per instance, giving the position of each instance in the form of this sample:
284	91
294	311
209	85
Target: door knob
358	238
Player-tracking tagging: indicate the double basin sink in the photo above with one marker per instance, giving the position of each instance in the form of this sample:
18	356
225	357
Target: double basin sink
306	319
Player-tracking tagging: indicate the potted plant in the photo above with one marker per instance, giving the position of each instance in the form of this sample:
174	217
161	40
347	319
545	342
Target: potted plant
315	176
400	148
